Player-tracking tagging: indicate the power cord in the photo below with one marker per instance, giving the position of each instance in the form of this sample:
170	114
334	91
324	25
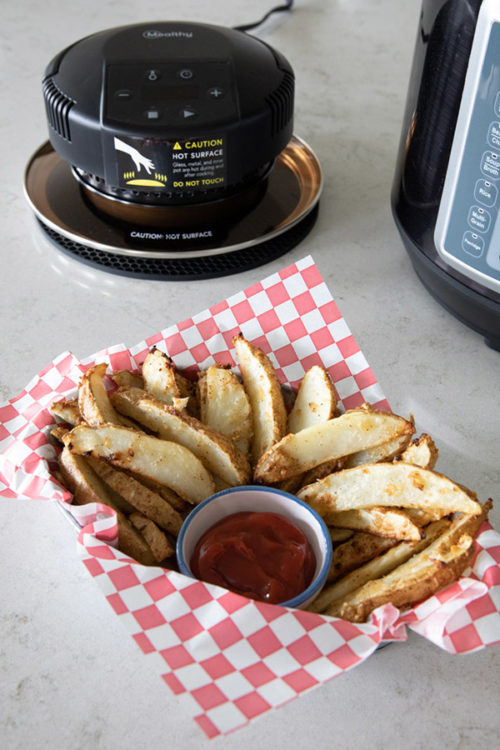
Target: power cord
278	9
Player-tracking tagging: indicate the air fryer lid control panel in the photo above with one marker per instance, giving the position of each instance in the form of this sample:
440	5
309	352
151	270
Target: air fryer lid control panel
169	110
467	234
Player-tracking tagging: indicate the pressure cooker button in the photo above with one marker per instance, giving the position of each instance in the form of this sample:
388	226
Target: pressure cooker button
490	164
479	219
486	193
473	244
186	74
494	135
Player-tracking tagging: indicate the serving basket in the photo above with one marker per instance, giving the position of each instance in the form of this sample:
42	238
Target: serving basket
228	658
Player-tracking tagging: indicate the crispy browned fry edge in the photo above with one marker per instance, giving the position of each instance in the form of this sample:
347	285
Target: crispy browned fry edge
269	428
154	537
393	523
423	575
391	485
68	410
422	452
355	430
378	566
93	400
163	461
218	453
148	503
87	487
356	551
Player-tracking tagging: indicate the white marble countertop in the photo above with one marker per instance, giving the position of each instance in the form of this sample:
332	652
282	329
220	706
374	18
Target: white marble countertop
70	675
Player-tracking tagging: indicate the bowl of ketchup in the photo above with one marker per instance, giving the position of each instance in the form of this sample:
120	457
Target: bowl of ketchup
259	542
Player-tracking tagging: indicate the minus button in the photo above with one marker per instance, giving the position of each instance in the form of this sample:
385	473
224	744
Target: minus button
123	94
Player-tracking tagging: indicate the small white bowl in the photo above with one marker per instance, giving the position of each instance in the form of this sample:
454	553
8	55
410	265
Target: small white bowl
260	499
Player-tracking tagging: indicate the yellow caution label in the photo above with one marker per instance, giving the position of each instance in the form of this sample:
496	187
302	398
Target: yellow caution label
177	147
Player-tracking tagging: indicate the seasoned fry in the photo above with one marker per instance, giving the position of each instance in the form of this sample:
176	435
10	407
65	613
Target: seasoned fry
340	535
158	372
215	450
225	406
425	573
67	411
93	401
400	530
266	399
87	487
155	537
125	377
316	400
373	569
160	460
389	522
384	452
388	484
353	431
148	503
355	551
422	452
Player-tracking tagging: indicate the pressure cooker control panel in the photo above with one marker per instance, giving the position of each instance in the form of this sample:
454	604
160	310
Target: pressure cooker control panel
467	232
169	94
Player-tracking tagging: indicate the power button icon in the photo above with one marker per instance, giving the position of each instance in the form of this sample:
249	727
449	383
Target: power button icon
152	75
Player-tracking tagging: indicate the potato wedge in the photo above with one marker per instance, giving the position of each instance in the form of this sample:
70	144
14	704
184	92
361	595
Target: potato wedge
353	431
162	461
316	400
384	452
422	452
266	399
378	566
125	377
87	487
425	573
389	522
356	551
67	410
390	485
141	498
215	450
225	406
158	372
340	535
155	537
171	497
93	400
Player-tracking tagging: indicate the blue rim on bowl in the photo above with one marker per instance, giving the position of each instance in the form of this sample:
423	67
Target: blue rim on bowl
319	538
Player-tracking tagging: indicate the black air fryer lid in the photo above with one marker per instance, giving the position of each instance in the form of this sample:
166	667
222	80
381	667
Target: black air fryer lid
171	113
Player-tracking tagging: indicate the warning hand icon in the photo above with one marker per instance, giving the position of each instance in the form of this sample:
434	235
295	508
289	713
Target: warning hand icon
138	158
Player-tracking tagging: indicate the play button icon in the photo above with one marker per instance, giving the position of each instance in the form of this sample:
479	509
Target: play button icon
188	112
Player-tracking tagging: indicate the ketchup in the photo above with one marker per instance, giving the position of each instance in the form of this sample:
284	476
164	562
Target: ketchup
262	556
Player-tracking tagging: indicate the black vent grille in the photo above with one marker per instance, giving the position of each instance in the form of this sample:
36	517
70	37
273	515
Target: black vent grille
58	106
281	102
183	269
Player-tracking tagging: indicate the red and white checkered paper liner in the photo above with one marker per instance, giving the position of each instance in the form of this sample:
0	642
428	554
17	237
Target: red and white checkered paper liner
230	659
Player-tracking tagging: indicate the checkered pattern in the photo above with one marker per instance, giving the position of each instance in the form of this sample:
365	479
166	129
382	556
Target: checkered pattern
227	658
